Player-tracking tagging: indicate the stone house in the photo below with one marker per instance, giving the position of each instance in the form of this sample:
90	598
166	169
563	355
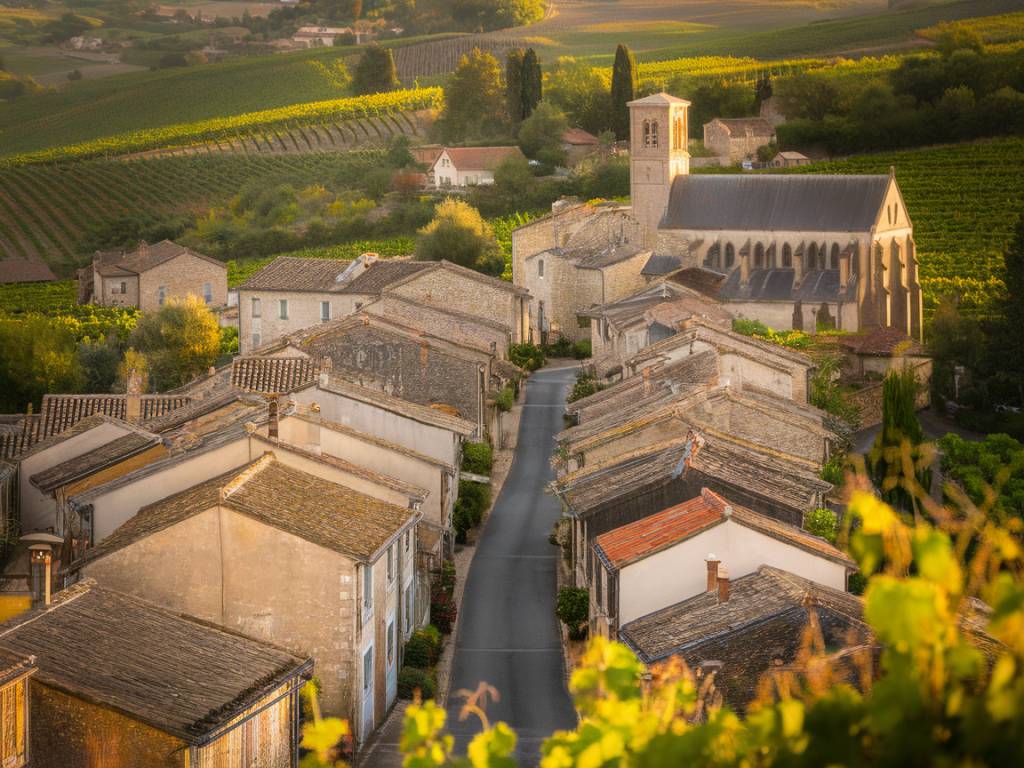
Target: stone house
286	557
461	327
789	160
649	564
469	166
291	294
791	250
746	626
151	275
735	139
121	682
621	328
579	144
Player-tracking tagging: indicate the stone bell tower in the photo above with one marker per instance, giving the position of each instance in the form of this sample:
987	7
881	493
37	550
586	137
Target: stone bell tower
658	132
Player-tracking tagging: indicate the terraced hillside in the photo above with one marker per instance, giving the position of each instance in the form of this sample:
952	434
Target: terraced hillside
440	57
47	211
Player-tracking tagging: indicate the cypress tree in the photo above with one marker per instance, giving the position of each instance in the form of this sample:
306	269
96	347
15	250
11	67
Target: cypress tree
375	71
625	85
532	82
901	435
514	85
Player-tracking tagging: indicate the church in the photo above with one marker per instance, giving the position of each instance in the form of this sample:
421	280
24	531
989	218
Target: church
803	251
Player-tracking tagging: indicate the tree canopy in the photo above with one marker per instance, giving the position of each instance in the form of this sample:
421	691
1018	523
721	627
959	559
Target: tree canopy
474	100
375	71
179	342
540	135
581	91
458	233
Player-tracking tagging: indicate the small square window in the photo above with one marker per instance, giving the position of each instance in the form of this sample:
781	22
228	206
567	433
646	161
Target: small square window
283	309
124	287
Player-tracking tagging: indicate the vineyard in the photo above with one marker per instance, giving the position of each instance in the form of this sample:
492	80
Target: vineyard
965	201
1004	28
47	211
439	57
344	119
57	301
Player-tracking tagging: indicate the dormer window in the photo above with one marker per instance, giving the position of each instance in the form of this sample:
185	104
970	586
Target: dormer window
651	134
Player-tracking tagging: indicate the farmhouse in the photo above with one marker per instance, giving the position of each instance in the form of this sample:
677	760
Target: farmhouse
735	139
469	166
793	251
150	275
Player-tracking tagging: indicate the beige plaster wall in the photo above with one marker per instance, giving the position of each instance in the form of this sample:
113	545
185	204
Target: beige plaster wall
181	276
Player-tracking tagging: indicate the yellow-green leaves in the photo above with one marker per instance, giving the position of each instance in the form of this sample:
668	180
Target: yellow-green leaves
606	668
323	735
881	537
935	559
492	748
907	615
423	741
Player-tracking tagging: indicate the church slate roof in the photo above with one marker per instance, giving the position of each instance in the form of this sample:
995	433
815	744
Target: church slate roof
781	202
778	285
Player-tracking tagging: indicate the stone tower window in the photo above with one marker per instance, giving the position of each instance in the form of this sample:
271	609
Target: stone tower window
679	134
651	134
787	256
714	257
730	255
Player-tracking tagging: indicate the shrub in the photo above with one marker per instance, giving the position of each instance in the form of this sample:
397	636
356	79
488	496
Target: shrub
833	470
573	609
505	398
473	500
477	458
412	679
442	609
561	348
581	350
424	648
824	523
585	386
529	357
446	576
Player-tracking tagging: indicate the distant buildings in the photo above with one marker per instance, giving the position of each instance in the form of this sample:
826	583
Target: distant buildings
735	139
24	271
469	166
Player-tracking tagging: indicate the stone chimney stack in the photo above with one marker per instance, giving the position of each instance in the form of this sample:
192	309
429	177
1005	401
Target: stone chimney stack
326	366
275	419
713	563
723	584
133	397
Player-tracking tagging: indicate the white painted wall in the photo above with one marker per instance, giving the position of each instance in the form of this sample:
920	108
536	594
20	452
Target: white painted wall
39	510
677	573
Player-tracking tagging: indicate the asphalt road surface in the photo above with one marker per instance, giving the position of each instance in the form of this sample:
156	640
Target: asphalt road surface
508	635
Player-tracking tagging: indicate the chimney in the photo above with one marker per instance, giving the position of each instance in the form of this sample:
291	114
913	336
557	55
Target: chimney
712	561
314	428
272	429
133	397
326	366
723	584
647	380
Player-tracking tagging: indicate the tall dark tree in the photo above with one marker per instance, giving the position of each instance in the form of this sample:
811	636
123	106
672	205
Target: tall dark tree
474	101
532	82
375	71
514	84
898	447
625	85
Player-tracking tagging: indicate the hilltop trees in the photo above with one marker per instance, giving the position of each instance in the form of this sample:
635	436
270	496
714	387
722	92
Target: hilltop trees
474	100
522	83
459	234
625	87
581	91
179	342
375	71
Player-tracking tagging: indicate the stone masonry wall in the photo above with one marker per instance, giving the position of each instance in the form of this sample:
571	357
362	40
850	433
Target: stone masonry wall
181	276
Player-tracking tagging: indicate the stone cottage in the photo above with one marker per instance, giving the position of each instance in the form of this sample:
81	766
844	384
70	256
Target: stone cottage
735	139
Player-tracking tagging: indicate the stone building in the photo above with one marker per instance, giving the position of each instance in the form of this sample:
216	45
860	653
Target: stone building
150	275
469	166
735	139
285	557
791	250
121	682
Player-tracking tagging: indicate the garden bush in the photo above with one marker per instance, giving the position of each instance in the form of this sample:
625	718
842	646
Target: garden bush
824	523
563	347
529	357
477	458
573	609
424	648
582	350
586	385
505	398
411	679
442	609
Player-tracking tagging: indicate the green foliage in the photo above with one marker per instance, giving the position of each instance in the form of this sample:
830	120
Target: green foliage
582	350
540	134
716	98
581	91
477	458
586	385
375	72
514	85
459	234
443	610
561	347
827	394
994	466
423	649
533	82
180	341
899	444
529	357
38	356
474	100
950	38
505	398
625	87
792	338
833	471
415	679
824	523
573	609
605	178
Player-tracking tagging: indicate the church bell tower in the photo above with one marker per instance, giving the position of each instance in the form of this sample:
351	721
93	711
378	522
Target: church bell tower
658	132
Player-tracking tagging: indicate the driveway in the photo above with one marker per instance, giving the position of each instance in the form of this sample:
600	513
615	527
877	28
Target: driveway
508	635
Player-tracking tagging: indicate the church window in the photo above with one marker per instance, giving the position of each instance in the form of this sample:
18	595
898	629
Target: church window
769	257
812	256
713	259
651	133
679	134
787	256
730	255
834	257
822	255
759	256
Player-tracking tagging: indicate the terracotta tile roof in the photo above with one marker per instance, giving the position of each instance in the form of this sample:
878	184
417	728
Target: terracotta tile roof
753	599
480	158
18	434
382	274
25	271
288	273
470	274
882	342
642	538
325	513
273	375
115	451
580	138
58	412
145	257
178	674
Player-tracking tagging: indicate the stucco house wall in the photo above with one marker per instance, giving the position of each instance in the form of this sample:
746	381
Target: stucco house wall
117	291
303	312
182	276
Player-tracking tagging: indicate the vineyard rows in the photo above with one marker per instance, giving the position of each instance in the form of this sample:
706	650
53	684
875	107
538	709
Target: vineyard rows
47	211
227	128
440	57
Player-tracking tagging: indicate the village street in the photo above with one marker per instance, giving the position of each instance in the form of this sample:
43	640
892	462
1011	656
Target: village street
508	635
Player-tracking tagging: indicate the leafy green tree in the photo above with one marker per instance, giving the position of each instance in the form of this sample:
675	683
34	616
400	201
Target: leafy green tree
474	100
533	82
180	341
37	356
573	609
625	87
375	72
99	360
540	135
720	98
807	95
514	84
822	522
952	37
458	233
899	445
581	91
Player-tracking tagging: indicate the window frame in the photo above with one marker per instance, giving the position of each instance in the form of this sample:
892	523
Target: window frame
282	309
256	307
325	317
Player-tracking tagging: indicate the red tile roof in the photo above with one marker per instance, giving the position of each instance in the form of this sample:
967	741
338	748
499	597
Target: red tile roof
480	158
24	271
579	137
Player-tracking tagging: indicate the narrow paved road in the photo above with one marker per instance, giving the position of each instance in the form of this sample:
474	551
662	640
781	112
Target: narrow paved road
508	634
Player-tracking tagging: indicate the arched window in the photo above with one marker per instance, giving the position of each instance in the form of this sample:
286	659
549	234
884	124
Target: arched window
713	259
651	133
730	255
759	256
822	256
770	257
834	257
812	256
787	256
679	134
540	267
